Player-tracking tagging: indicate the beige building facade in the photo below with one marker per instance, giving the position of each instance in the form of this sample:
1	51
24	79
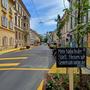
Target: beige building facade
34	38
22	24
73	22
55	37
64	31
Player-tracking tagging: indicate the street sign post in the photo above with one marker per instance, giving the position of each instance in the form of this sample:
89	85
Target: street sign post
71	57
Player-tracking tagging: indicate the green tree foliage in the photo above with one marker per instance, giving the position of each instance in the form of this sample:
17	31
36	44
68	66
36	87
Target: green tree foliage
60	25
45	39
82	28
41	37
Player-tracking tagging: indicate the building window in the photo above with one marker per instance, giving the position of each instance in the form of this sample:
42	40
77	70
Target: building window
5	41
19	36
16	20
24	25
11	24
16	35
5	4
11	40
71	22
87	17
27	26
19	8
76	15
0	41
16	5
22	36
21	23
4	21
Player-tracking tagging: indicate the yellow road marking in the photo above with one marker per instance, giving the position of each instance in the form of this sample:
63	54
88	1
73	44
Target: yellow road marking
37	69
41	85
54	69
6	51
13	58
9	64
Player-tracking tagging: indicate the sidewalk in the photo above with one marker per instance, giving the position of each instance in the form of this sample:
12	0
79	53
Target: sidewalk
14	49
9	50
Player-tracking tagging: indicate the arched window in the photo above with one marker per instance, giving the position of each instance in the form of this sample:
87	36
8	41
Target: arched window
11	41
16	36
4	41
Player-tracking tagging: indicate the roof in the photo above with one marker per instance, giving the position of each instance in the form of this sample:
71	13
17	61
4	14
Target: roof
25	8
34	32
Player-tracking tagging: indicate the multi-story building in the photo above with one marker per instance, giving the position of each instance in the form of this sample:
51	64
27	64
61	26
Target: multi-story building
74	21
22	25
34	37
14	24
65	30
55	37
7	31
52	37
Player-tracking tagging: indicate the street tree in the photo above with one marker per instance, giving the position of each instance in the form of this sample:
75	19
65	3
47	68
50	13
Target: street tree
60	25
82	28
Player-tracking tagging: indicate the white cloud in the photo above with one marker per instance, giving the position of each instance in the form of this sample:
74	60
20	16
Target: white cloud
50	23
52	9
34	22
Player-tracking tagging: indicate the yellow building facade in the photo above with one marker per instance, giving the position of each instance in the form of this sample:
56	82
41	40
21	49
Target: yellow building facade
14	24
7	32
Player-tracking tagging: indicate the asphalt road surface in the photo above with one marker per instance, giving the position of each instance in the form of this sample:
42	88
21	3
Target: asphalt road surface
24	70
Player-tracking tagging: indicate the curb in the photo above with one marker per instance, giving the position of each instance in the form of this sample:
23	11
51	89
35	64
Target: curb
7	51
41	85
14	49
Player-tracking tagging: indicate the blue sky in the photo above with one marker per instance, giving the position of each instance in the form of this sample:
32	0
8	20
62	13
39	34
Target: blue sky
43	11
